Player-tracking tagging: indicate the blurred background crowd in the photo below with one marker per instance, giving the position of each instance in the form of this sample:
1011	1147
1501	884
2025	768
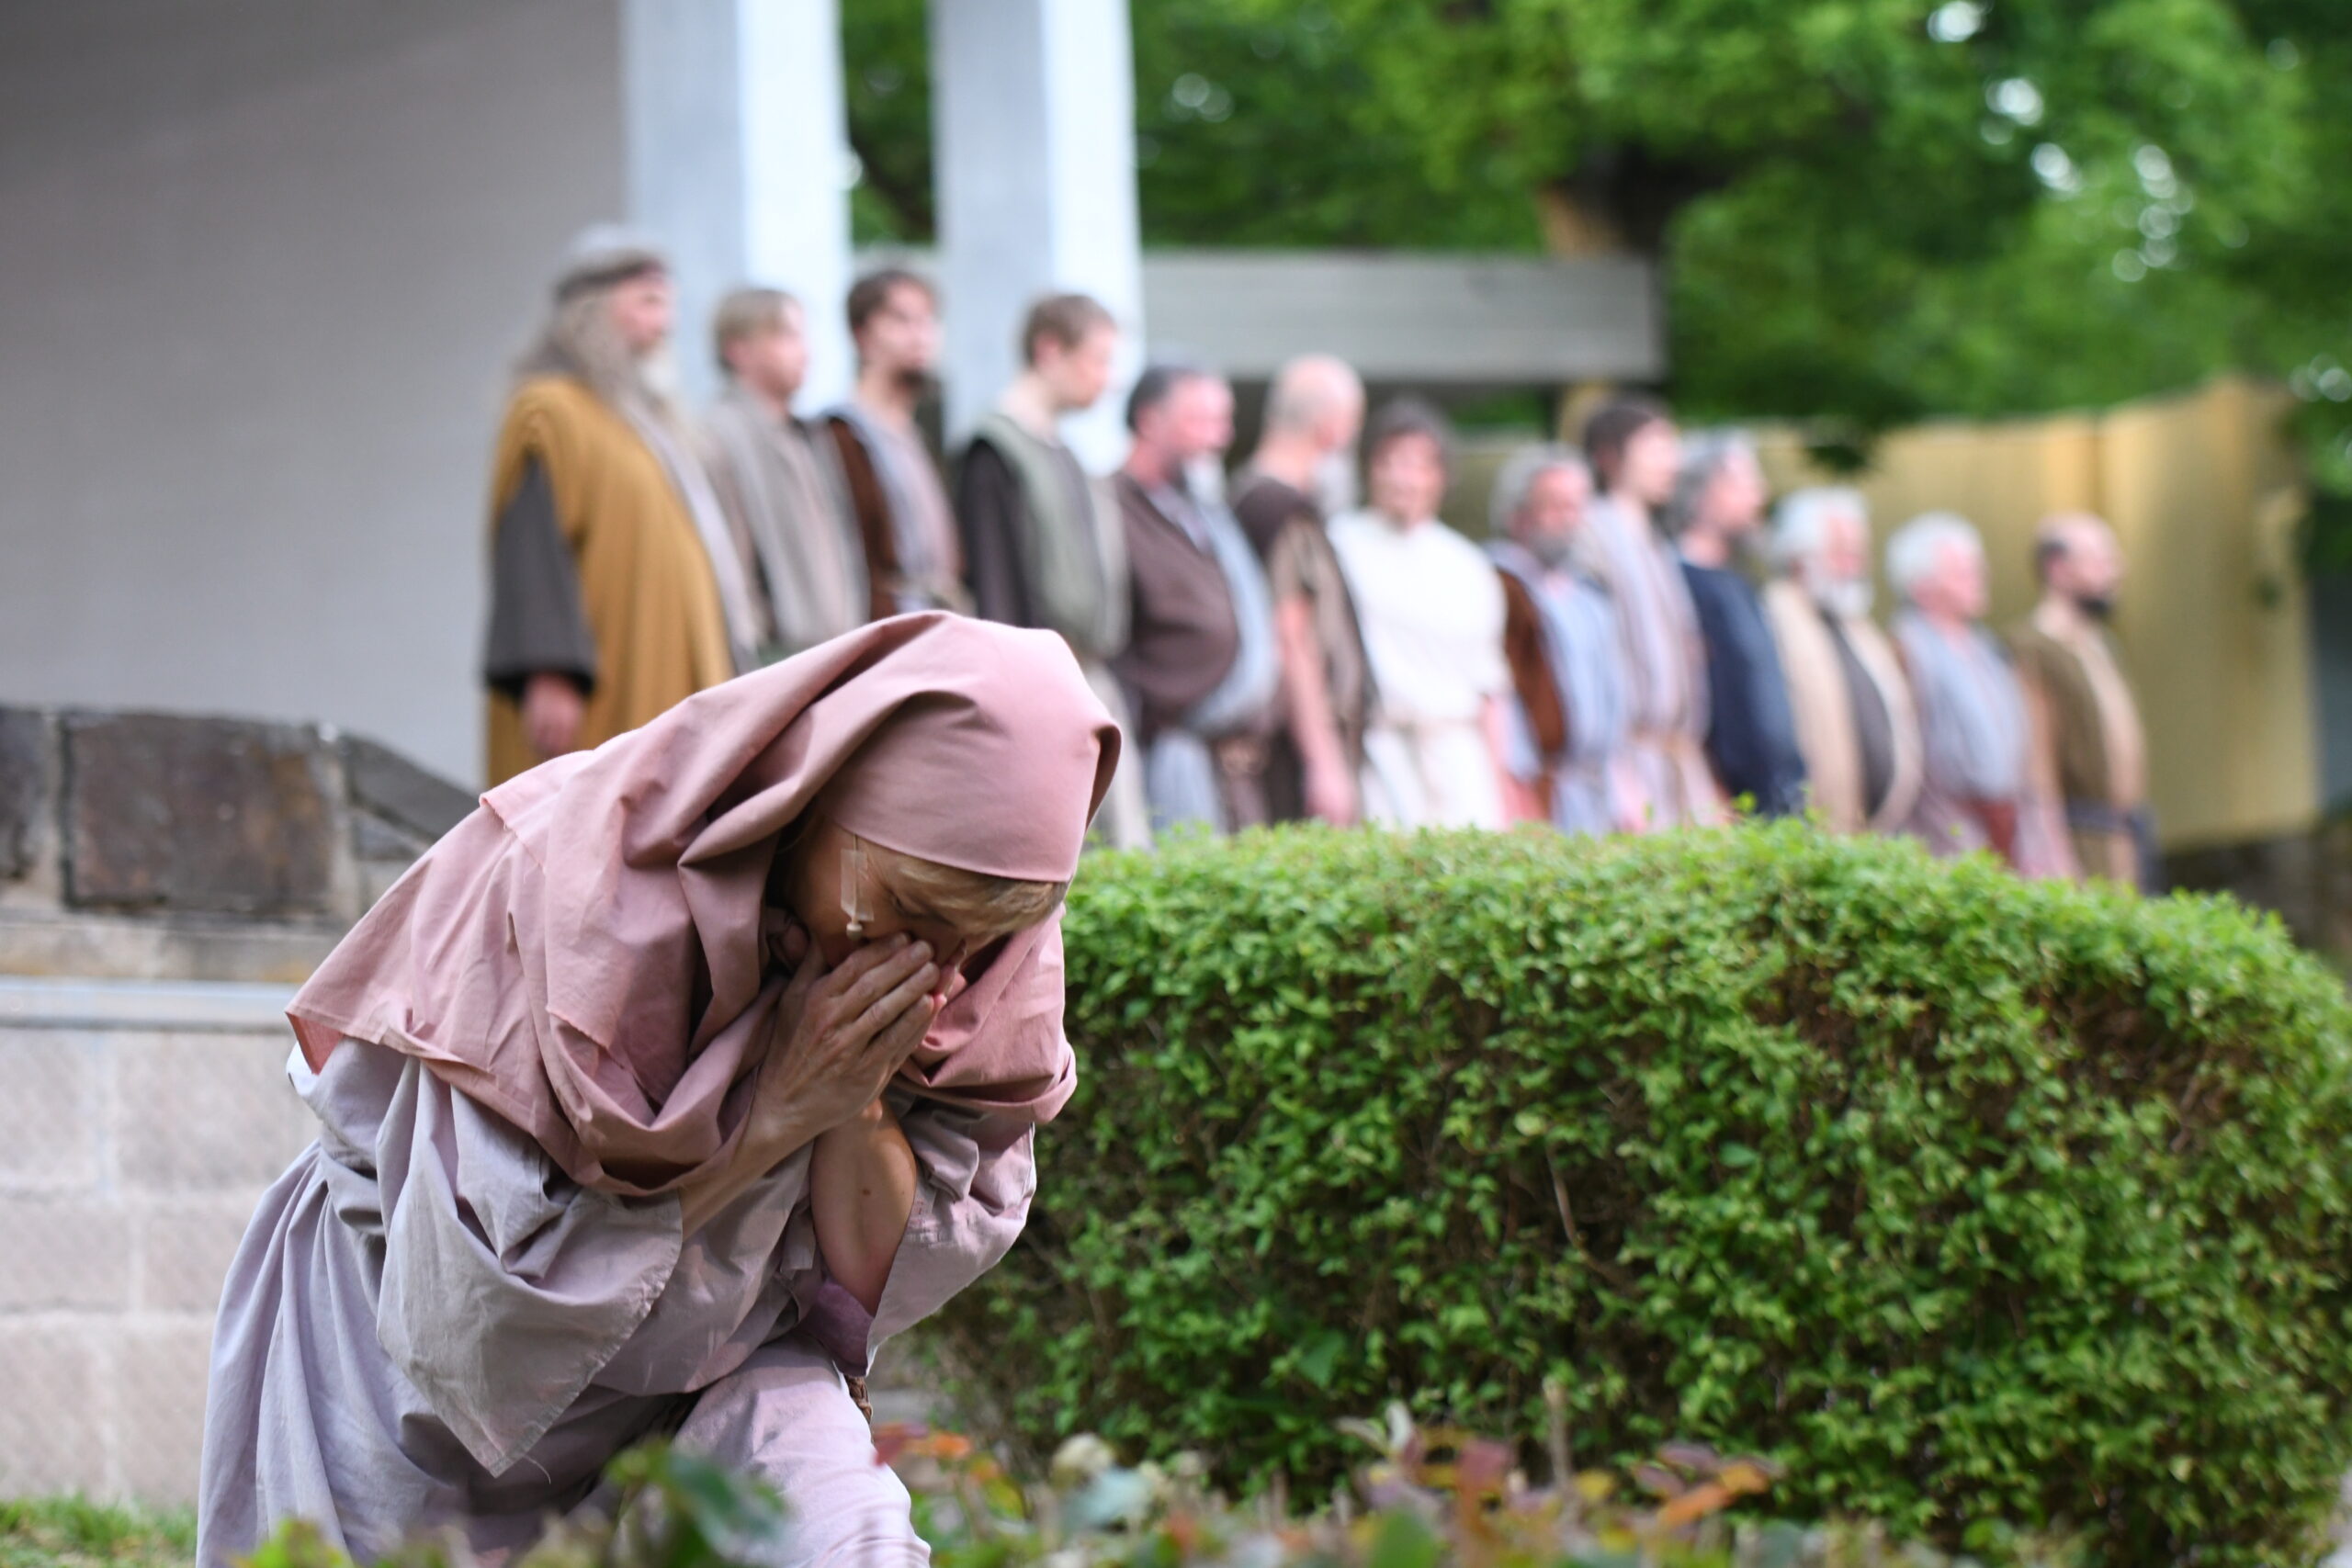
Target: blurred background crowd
1642	642
272	263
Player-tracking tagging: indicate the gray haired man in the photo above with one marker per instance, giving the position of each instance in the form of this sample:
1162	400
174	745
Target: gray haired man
1855	722
1567	715
1978	745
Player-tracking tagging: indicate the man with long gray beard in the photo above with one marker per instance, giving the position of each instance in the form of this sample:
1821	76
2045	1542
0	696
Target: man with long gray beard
616	591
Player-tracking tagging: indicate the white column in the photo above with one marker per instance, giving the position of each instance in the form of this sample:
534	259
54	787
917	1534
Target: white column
738	163
1032	123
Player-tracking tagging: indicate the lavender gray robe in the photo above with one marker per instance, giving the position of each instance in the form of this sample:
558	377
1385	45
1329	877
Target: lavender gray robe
429	1322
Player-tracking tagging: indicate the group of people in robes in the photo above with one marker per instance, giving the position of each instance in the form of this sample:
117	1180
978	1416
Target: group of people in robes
1681	651
709	1052
1640	642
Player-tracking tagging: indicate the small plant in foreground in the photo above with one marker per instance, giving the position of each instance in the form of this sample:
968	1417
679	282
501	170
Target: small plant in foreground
1429	1497
1425	1497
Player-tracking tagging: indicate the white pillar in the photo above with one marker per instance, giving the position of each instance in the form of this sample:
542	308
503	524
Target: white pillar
738	163
1033	127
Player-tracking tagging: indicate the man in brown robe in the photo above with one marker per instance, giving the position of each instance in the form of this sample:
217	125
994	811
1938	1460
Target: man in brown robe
614	592
779	481
913	560
1200	664
1293	480
1044	541
2085	723
1856	722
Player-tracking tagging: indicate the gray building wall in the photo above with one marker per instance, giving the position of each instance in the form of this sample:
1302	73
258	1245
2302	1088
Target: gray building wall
262	268
139	1126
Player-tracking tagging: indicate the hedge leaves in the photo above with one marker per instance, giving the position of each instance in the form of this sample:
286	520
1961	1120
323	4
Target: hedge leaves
1967	1199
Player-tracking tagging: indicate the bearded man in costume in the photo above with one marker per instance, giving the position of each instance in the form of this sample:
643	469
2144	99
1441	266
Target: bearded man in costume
2085	721
616	592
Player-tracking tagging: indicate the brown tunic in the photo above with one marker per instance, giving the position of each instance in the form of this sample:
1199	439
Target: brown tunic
645	584
1184	634
1531	669
2104	794
1832	669
889	588
1287	531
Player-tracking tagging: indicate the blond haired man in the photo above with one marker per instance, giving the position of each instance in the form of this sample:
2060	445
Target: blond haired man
780	482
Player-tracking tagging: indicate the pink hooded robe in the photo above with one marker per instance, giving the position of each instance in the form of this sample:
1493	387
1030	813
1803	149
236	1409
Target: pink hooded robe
474	1290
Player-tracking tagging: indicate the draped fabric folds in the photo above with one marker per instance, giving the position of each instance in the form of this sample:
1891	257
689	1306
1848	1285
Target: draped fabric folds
545	957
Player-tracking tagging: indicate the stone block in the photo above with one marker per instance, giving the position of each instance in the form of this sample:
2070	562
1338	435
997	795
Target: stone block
384	781
224	815
160	1373
53	1416
182	1247
51	1118
376	878
24	746
375	838
63	1255
79	943
206	1113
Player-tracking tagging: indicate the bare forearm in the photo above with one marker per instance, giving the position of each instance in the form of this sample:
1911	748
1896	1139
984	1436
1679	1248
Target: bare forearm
861	1190
766	1143
1312	726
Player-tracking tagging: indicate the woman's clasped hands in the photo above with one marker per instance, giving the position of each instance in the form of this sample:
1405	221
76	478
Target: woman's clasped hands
840	1035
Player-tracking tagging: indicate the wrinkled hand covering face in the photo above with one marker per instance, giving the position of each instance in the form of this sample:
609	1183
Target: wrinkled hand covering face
543	956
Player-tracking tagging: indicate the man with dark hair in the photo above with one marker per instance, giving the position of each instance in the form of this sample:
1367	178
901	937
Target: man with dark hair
1301	469
1631	446
912	556
2086	722
1200	662
615	589
1433	614
781	486
1043	543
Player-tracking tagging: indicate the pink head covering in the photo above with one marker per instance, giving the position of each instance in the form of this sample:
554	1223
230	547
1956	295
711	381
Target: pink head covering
543	956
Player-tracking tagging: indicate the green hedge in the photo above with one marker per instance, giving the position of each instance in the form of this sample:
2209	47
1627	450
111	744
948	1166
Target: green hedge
1964	1198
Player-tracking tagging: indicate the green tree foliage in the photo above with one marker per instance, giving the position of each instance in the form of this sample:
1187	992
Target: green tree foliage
1868	210
1964	1198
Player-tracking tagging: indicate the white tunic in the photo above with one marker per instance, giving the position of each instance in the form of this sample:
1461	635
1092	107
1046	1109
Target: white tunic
1431	609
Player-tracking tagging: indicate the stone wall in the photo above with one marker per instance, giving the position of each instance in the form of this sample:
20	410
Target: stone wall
164	881
165	846
139	1124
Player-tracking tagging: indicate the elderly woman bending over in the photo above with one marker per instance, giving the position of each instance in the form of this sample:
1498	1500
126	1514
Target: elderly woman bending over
658	1094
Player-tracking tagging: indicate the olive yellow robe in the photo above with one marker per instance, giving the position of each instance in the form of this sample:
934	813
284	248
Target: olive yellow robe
646	588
